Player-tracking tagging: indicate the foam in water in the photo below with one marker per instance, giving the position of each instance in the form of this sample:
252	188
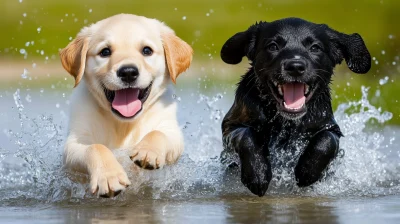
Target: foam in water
31	170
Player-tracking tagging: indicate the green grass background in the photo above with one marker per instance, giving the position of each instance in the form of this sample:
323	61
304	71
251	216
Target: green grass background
207	25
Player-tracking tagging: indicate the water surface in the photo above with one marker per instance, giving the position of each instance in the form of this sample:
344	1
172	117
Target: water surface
363	186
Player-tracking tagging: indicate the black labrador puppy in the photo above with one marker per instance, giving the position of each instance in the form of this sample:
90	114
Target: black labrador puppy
284	100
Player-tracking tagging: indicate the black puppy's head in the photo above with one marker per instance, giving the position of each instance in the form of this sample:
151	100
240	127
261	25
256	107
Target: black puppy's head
293	59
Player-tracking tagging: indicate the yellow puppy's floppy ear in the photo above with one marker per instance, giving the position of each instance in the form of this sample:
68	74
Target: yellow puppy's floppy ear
73	57
178	54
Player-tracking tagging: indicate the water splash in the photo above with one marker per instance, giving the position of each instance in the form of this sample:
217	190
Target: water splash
364	169
32	168
33	171
216	113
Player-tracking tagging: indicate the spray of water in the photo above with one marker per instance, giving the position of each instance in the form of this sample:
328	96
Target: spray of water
33	171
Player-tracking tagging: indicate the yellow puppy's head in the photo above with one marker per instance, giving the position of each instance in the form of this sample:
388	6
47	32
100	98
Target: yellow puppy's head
125	58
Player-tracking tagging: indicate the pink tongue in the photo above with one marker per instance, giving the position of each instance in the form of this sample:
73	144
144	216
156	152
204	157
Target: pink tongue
126	102
293	94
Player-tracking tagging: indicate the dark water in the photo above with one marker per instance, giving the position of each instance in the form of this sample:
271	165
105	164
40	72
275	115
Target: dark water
364	188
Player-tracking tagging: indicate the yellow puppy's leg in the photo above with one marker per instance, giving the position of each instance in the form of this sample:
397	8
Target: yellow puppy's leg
107	177
156	149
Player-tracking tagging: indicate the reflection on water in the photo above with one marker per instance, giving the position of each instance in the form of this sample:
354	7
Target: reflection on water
364	181
227	209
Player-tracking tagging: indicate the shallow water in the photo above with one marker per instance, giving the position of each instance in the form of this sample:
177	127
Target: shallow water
363	186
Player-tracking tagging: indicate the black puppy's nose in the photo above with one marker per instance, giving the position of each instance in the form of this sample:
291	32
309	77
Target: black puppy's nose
128	74
295	67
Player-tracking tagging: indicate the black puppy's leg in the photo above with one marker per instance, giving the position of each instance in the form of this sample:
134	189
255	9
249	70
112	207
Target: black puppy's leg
255	166
321	150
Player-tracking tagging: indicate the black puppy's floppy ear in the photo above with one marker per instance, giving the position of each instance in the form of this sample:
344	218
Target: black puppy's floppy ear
352	48
240	45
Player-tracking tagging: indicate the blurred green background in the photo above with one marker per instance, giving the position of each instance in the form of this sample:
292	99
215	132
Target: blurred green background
32	32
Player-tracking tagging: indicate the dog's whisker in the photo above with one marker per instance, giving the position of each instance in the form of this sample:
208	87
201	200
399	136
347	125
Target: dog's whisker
321	79
266	70
252	86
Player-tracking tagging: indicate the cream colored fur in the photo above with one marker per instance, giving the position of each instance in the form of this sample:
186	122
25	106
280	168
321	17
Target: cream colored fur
153	137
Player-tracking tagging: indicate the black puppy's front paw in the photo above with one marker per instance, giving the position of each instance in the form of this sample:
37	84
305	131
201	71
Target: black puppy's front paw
256	185
256	175
316	158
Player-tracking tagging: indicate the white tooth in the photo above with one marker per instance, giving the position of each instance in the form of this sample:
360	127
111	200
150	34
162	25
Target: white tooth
307	89
294	109
280	90
275	83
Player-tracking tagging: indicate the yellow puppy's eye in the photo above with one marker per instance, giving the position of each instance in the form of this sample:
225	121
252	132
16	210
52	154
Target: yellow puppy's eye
147	51
105	52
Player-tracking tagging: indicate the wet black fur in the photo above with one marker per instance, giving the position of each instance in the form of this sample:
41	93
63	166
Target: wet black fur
256	124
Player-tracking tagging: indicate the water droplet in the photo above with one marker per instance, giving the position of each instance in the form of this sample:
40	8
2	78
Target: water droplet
25	74
24	14
41	90
384	80
207	14
39	29
22	51
90	10
27	44
184	17
57	105
34	65
20	1
391	36
42	52
378	93
28	98
53	87
383	52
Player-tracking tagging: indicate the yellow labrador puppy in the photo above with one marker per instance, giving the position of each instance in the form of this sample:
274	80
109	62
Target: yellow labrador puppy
123	67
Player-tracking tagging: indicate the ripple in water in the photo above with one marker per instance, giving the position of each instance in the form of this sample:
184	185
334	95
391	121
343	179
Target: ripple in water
32	172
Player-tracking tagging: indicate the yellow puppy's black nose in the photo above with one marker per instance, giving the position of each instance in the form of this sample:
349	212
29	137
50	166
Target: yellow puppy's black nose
128	74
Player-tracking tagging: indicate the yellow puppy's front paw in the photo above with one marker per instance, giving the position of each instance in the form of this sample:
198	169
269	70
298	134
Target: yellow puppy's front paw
148	159
109	182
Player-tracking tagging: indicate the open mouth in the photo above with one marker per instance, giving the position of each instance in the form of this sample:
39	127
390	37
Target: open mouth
292	96
127	103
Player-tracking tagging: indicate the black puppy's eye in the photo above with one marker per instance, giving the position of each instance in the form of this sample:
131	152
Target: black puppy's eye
147	51
105	52
273	47
315	48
